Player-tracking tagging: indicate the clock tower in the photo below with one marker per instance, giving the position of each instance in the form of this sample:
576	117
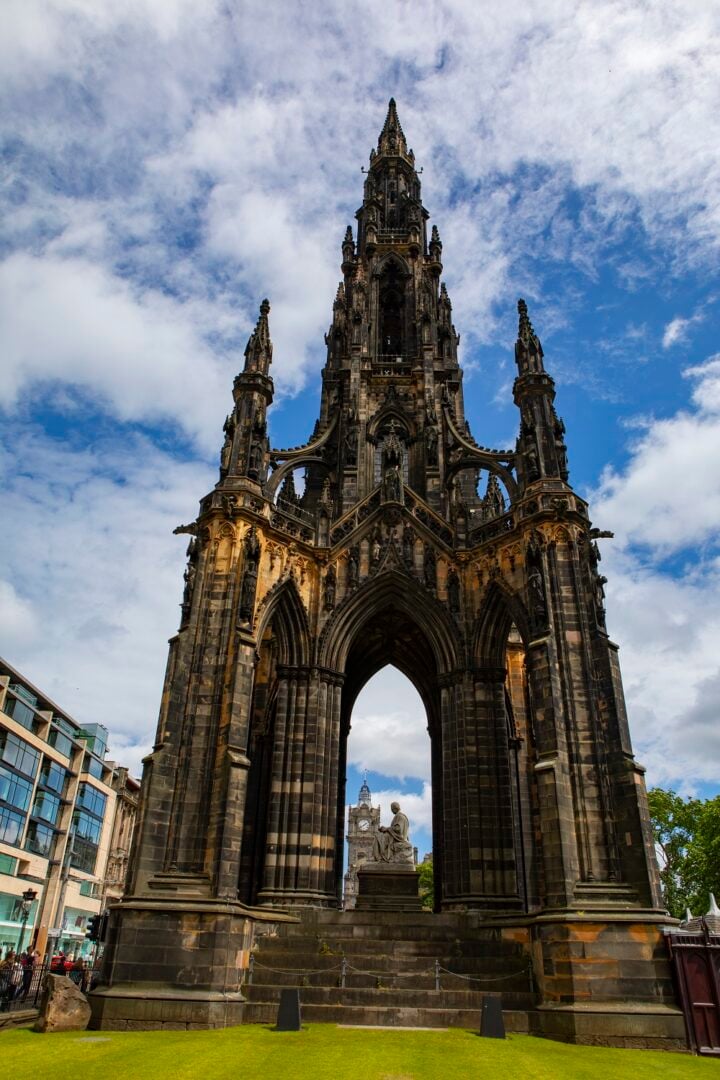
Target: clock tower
363	820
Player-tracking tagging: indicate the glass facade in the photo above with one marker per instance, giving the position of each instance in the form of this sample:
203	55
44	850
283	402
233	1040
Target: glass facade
15	752
52	776
92	800
11	825
46	807
20	712
14	790
62	743
40	839
34	792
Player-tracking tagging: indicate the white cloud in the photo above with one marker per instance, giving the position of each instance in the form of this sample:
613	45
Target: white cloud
666	504
668	496
71	322
678	329
388	733
418	807
97	575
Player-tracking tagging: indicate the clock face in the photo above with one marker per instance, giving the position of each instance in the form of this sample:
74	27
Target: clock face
364	825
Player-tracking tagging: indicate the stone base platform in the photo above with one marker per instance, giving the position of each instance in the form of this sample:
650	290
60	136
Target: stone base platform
388	887
393	969
597	978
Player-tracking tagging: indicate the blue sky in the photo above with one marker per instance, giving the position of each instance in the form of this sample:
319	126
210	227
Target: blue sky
167	164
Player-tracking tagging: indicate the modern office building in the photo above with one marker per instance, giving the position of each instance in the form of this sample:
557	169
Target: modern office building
57	813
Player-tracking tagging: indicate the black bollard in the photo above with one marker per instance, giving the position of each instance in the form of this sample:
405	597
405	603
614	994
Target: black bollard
288	1017
492	1025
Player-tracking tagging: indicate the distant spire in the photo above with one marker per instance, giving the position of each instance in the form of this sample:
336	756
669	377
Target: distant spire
392	140
364	797
258	352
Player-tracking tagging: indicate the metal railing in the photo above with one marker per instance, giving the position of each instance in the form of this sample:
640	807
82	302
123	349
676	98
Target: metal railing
21	987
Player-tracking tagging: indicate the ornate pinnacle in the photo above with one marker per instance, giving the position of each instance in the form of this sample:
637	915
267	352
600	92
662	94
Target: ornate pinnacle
392	139
528	350
258	352
348	235
525	327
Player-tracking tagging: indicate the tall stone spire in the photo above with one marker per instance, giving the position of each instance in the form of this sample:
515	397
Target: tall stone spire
541	445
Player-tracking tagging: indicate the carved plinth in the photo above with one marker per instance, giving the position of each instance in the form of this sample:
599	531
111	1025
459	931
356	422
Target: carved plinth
388	887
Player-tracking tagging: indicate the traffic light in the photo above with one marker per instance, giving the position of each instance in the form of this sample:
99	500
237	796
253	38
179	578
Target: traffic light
94	928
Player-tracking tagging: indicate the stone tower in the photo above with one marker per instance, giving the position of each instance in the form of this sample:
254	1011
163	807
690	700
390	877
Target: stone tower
472	570
363	820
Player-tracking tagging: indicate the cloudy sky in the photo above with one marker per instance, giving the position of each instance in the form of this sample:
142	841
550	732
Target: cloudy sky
166	164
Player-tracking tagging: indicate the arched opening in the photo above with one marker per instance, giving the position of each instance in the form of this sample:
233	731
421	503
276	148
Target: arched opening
282	646
393	633
501	640
388	757
392	312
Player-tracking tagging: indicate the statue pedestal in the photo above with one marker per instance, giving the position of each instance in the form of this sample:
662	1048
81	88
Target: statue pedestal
388	887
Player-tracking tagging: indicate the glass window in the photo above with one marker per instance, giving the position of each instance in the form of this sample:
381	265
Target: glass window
93	766
8	865
46	806
20	712
86	826
88	888
11	825
18	754
52	775
91	799
61	742
40	839
14	789
84	855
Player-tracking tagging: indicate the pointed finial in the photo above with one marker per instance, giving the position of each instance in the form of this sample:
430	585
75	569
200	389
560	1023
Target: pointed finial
348	235
525	328
528	350
688	915
714	909
392	140
258	351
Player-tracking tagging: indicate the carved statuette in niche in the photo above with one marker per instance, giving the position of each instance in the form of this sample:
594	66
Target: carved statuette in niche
330	585
248	587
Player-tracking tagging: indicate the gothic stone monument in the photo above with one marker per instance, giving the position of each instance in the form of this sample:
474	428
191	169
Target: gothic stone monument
472	570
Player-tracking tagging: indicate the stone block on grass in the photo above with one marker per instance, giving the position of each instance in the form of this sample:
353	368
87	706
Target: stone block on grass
63	1007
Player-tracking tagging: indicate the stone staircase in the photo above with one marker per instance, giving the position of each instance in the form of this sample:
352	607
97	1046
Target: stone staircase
389	969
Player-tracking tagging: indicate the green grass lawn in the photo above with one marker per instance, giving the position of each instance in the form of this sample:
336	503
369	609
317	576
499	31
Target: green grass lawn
325	1052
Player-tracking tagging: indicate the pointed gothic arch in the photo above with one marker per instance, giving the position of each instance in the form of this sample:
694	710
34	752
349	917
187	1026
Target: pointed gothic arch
284	610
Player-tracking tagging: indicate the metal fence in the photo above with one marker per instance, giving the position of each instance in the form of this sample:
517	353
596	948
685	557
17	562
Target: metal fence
21	988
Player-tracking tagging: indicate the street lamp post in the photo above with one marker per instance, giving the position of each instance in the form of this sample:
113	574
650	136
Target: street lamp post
27	902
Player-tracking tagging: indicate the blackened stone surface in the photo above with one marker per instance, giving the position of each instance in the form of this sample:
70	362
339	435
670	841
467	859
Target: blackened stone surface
388	887
288	1018
492	1025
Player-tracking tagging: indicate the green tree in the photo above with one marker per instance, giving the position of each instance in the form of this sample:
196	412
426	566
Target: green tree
427	884
687	840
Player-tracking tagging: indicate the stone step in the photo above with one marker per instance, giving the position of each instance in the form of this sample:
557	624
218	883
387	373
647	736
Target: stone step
374	995
273	971
426	984
391	966
384	1016
386	930
311	955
